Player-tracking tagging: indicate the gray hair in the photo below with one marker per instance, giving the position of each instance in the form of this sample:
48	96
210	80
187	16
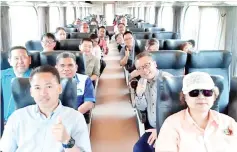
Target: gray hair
65	55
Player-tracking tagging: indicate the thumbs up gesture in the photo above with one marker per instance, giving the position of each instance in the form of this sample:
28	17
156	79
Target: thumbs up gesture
59	132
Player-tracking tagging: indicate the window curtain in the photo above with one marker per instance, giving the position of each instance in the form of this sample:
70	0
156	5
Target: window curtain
231	37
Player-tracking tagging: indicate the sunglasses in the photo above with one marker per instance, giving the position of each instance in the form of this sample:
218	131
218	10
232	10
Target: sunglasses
195	93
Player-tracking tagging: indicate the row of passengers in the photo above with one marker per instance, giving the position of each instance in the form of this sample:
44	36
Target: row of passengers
48	125
196	121
49	42
20	61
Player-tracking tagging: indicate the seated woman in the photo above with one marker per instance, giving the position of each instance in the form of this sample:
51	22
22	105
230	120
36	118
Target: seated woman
119	41
198	128
60	34
187	47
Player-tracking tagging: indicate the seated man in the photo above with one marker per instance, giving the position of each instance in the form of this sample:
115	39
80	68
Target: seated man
48	42
145	99
20	61
48	125
84	28
102	40
67	68
92	63
128	52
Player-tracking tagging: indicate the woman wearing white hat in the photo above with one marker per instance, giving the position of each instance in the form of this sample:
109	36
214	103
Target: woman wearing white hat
198	128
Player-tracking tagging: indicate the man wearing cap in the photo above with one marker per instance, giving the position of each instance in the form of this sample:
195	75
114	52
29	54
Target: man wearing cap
198	128
146	95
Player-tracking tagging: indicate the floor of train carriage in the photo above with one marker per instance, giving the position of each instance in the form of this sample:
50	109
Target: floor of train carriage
113	127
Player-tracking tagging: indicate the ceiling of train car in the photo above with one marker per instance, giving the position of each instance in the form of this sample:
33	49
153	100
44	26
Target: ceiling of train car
123	3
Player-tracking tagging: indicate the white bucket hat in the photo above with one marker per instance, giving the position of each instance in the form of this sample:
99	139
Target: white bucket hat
197	80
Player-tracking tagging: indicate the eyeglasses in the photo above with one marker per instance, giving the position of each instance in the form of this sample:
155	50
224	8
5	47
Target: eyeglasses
146	66
48	42
195	93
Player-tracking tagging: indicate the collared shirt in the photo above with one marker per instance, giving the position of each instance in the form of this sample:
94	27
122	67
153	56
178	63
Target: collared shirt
6	79
85	89
92	65
131	55
148	100
28	130
179	133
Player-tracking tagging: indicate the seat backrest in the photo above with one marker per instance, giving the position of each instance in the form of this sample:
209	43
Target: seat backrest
22	97
35	60
70	44
170	61
136	29
166	35
142	35
50	59
232	106
147	25
173	44
214	62
168	101
4	60
77	35
154	29
33	45
109	28
70	29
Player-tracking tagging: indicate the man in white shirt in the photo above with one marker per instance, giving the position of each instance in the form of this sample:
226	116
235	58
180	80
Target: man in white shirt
48	125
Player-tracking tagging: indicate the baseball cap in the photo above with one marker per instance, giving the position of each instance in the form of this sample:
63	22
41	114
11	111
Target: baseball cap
197	80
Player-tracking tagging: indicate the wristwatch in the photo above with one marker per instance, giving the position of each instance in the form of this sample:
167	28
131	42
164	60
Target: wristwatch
70	143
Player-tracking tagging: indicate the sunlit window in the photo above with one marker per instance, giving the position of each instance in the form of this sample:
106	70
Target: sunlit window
141	13
152	15
190	23
147	14
54	18
167	18
24	24
136	12
70	15
208	30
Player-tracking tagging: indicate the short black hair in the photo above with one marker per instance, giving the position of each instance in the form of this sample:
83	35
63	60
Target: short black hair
60	28
192	42
65	55
93	36
49	35
121	23
16	48
127	32
86	39
101	27
45	69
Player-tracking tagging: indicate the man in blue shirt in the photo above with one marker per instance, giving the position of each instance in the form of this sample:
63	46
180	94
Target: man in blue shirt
20	61
67	67
47	126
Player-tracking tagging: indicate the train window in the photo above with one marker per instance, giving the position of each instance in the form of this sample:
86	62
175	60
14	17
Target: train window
136	12
152	15
141	13
190	23
167	18
208	32
24	24
54	18
70	15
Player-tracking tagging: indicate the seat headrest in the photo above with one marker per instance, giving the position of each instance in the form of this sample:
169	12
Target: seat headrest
173	44
136	29
50	59
154	29
22	97
166	35
70	44
170	59
70	29
33	45
4	60
168	99
210	59
142	35
76	35
232	106
142	43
